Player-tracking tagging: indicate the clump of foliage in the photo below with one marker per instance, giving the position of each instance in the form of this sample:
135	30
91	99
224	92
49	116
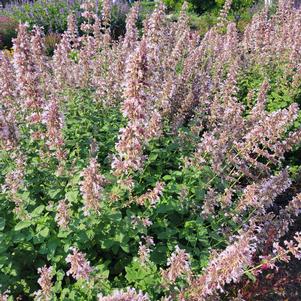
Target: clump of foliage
51	40
203	15
52	15
8	31
148	168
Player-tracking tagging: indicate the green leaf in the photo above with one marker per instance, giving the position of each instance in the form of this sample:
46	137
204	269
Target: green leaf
44	232
107	244
53	193
2	223
64	234
167	177
22	225
250	276
125	247
153	157
72	196
37	211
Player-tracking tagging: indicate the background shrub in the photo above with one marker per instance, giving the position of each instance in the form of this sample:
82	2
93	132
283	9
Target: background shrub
52	15
8	31
154	162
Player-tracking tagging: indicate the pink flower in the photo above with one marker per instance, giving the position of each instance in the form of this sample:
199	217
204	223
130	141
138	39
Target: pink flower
63	215
129	295
178	265
91	187
152	196
225	267
45	284
54	120
80	267
145	249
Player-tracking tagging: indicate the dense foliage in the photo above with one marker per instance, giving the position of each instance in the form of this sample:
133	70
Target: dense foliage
148	168
200	6
8	31
52	15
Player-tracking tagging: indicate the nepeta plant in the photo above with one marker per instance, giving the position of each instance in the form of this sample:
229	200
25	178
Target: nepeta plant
148	168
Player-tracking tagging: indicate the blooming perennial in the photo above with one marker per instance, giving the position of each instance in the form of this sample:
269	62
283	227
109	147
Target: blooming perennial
80	267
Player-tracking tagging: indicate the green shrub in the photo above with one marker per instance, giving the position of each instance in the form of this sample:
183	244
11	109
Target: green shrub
52	15
7	32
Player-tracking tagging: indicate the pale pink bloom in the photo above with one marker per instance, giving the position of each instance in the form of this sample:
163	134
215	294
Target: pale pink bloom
38	50
131	35
106	12
137	220
151	196
178	265
145	249
4	296
294	206
210	201
129	295
144	123
62	65
91	187
225	267
44	294
53	118
9	133
262	194
88	5
27	73
63	214
127	183
143	253
7	79
291	248
80	267
14	180
72	31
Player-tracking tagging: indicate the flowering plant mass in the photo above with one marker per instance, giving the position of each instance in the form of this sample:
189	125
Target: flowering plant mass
157	167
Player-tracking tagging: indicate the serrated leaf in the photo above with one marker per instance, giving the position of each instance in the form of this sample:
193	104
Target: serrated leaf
22	225
63	234
45	232
37	211
71	196
125	248
53	193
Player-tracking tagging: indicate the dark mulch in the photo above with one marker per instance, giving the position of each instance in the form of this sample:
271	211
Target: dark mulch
281	285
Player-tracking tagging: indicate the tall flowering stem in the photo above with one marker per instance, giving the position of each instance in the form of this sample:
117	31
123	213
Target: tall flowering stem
131	35
226	267
8	85
292	247
130	145
151	197
178	265
91	187
144	250
27	75
44	294
63	214
14	182
80	267
54	121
